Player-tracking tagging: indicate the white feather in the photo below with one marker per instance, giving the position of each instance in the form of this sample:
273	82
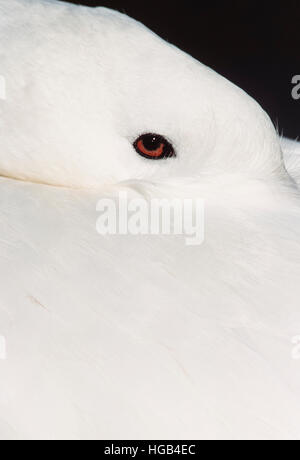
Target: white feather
291	151
123	337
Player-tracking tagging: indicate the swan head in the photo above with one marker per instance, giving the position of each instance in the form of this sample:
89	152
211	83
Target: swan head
86	88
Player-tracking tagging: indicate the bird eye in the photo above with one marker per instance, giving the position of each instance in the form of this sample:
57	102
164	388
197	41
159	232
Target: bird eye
154	147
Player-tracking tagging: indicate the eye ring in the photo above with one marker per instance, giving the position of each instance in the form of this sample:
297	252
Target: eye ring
154	147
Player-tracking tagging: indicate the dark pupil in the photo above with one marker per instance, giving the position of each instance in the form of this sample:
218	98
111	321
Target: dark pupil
152	142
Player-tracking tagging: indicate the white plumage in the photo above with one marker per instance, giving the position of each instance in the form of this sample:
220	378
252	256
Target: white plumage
291	155
139	336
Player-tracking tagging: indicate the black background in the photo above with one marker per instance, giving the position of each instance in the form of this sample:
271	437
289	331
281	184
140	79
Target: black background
254	44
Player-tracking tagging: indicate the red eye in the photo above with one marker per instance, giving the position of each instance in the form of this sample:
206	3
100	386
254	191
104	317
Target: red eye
153	147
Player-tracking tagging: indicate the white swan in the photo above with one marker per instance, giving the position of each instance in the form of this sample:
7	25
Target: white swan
139	336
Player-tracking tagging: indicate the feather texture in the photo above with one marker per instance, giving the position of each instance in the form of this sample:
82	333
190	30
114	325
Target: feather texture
139	337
